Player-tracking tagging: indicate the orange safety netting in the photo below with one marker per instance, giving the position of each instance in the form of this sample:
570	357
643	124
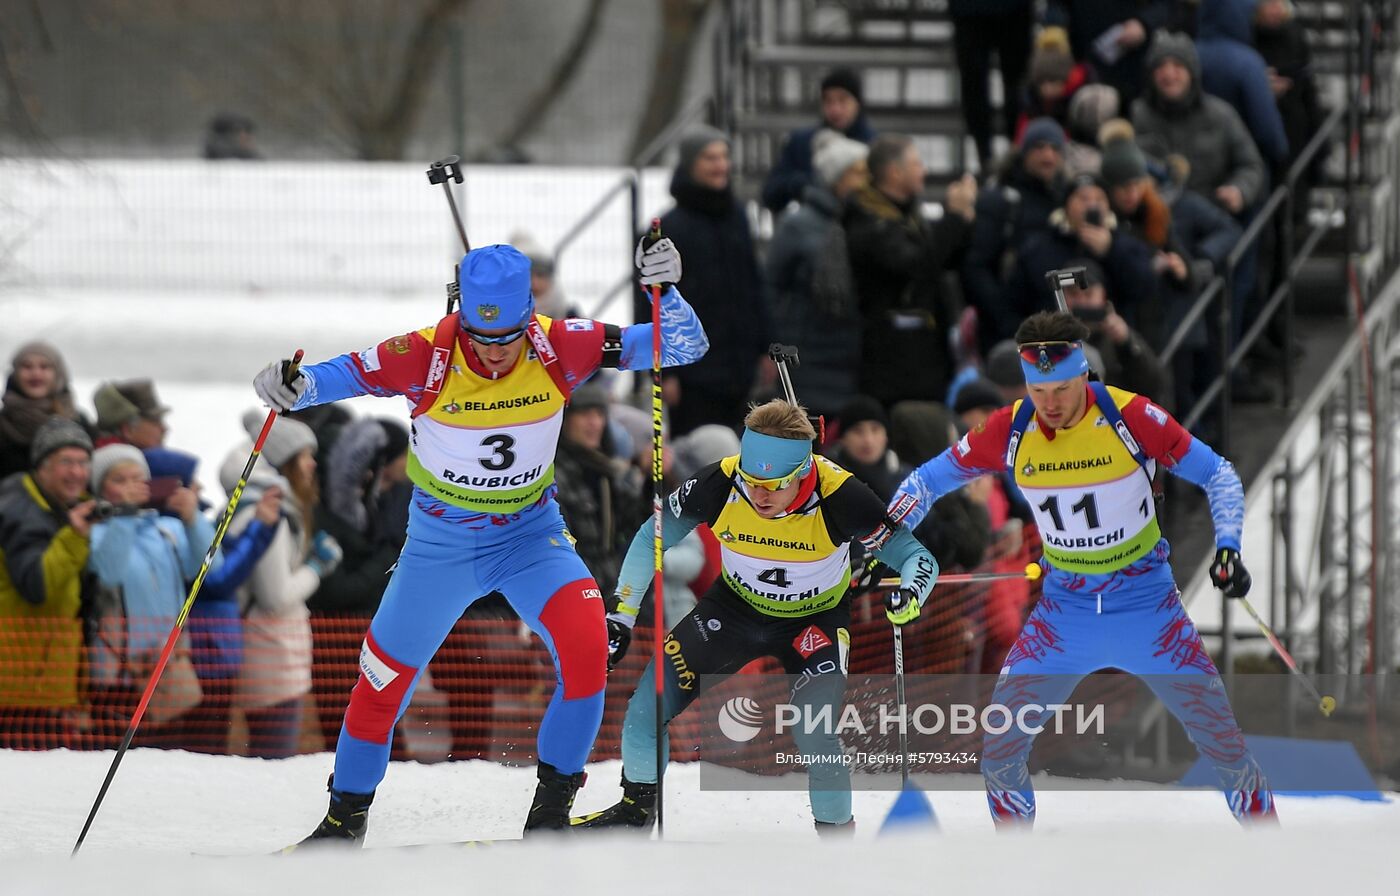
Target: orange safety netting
483	696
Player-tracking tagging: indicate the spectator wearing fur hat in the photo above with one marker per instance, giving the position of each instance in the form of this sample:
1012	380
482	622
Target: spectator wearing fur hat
35	390
842	111
815	305
1016	204
132	413
1054	80
723	284
142	561
276	672
1083	226
981	28
45	525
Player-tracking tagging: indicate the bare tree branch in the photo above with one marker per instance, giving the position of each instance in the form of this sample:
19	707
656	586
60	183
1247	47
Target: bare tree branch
533	112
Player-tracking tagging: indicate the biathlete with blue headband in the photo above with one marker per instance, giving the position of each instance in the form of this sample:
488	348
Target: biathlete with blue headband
486	389
785	519
1084	455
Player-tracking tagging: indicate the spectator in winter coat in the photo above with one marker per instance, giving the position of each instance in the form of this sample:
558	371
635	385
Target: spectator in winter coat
1126	360
216	627
1010	209
1112	36
979	28
897	259
959	533
864	447
1176	117
1092	105
600	497
1053	82
1144	214
350	510
722	281
1234	71
842	110
45	523
142	561
276	672
131	413
1085	226
1282	42
35	391
809	277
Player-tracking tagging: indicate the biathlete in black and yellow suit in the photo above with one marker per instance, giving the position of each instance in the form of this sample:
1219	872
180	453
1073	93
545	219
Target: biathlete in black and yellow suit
785	520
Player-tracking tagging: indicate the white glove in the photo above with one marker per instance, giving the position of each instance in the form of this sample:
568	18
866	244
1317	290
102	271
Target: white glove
660	264
275	393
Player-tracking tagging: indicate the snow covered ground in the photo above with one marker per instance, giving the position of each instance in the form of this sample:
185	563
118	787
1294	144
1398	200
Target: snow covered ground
165	807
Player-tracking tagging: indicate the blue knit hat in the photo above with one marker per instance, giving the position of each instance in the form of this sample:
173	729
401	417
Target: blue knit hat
495	284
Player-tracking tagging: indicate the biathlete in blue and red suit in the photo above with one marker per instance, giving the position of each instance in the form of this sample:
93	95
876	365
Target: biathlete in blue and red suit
486	389
1084	455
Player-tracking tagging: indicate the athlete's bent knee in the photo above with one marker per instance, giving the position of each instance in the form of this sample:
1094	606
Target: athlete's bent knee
574	618
380	691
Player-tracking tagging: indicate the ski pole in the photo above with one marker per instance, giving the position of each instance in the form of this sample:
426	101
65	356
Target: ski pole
1030	574
1325	703
899	698
184	614
658	548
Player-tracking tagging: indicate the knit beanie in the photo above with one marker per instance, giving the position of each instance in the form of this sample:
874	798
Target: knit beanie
694	142
979	393
833	155
1043	130
46	351
1089	108
846	79
107	457
1051	60
862	408
55	434
285	440
1122	162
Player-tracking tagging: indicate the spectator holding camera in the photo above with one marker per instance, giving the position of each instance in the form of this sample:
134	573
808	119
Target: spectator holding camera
276	672
142	561
44	529
131	413
1083	227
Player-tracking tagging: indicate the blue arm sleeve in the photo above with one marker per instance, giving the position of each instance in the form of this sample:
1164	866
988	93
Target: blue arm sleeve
917	568
334	380
241	554
111	544
199	534
929	482
683	337
1217	478
638	568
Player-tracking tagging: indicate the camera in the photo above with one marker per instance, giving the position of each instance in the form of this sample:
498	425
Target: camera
1093	215
105	510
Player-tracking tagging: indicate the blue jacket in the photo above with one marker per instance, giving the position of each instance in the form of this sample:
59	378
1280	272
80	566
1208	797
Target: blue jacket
146	559
216	623
1234	71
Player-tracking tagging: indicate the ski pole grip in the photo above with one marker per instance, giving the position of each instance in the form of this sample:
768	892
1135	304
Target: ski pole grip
292	368
653	235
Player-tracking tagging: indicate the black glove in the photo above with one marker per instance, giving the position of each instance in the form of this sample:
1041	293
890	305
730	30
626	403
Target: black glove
1228	573
619	637
902	606
865	573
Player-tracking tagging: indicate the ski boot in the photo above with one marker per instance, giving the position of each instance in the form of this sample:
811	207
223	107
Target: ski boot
637	809
554	797
830	830
345	821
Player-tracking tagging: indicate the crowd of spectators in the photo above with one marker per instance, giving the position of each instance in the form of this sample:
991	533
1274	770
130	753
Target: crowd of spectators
1136	153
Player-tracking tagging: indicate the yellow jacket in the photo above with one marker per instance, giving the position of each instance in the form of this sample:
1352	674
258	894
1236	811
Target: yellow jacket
41	643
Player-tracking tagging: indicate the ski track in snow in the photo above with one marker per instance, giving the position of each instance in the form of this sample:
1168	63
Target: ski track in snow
165	810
